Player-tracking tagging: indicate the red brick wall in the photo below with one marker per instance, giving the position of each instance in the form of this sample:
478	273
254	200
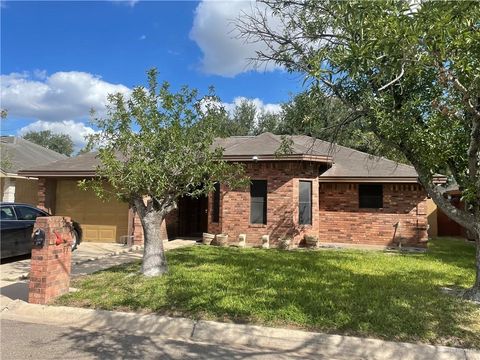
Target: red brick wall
168	229
50	264
282	204
341	219
47	189
215	227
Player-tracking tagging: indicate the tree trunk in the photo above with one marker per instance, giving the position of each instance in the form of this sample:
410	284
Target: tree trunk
474	292
154	262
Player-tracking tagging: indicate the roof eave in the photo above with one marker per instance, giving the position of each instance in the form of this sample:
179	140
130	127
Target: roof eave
294	157
53	173
369	179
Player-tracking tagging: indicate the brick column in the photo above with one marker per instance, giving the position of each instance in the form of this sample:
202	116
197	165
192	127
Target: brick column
137	230
51	263
47	189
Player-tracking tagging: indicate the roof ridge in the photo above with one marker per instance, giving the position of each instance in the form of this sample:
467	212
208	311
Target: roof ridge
247	138
31	143
357	151
298	148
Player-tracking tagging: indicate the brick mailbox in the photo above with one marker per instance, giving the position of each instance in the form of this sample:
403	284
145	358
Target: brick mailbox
51	259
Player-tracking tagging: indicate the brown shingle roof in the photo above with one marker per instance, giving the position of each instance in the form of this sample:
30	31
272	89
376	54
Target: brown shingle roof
345	163
81	165
348	162
18	153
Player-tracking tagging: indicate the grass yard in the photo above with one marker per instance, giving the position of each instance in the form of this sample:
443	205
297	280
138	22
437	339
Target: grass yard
364	293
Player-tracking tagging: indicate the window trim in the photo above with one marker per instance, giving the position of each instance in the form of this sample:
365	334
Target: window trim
362	206
265	203
310	202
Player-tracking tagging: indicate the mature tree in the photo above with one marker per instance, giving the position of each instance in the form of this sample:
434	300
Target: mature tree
322	116
155	148
5	157
243	118
61	143
267	122
409	70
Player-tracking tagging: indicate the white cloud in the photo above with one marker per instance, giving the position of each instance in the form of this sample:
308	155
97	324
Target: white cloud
62	95
260	105
230	107
130	3
214	32
77	130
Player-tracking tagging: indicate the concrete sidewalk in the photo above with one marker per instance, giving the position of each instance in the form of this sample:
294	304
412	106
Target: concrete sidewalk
110	254
94	257
285	341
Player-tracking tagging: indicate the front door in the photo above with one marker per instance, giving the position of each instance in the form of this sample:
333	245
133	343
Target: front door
193	216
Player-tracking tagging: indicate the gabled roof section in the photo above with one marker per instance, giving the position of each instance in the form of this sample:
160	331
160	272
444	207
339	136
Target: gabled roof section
19	153
80	166
264	147
349	164
342	164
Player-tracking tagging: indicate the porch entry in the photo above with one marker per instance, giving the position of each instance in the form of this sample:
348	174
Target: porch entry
192	216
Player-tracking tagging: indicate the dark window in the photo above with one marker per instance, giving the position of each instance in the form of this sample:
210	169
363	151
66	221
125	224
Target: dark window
216	204
305	203
370	196
258	202
27	213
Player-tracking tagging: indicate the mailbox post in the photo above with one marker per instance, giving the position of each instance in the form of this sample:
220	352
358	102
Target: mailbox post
51	259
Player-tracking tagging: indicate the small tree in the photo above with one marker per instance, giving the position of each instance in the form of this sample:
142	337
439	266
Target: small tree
61	143
155	148
408	69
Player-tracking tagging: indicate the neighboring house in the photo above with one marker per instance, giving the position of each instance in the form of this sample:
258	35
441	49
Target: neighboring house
18	153
445	225
338	194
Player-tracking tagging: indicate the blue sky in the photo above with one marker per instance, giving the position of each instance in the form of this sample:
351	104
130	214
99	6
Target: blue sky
59	59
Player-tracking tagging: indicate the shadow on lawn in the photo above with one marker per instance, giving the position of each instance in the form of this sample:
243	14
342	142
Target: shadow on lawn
316	291
347	292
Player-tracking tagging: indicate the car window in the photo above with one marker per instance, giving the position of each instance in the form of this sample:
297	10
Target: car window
27	213
6	213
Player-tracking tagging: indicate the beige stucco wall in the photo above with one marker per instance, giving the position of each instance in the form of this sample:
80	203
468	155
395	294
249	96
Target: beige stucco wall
432	218
26	191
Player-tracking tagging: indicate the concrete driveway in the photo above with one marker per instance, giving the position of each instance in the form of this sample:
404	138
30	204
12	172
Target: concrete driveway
12	271
88	258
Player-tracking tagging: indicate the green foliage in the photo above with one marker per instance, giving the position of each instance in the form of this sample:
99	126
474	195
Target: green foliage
367	293
408	70
246	119
313	113
61	143
158	143
5	159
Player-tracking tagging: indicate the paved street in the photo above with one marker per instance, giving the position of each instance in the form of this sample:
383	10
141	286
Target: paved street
36	341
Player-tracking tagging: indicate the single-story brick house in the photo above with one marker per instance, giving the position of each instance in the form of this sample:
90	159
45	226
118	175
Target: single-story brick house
336	193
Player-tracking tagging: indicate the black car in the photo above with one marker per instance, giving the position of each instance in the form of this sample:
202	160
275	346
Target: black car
16	226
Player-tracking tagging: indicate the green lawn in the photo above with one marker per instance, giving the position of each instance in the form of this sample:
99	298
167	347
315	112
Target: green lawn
367	293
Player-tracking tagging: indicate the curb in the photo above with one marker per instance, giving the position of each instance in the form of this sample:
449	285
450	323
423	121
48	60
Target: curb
308	343
26	276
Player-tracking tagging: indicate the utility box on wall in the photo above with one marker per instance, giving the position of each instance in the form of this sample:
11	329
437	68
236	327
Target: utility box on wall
51	259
